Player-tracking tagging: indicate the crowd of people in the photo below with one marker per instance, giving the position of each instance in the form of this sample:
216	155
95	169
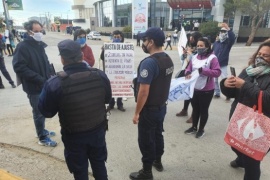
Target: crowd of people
72	92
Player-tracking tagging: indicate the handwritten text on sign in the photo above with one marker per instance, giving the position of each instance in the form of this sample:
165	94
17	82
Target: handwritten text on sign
119	67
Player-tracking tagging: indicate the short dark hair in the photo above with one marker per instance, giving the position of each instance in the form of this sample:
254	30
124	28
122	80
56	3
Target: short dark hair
117	32
28	26
79	32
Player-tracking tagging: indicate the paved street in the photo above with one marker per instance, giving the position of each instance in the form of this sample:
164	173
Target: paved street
185	157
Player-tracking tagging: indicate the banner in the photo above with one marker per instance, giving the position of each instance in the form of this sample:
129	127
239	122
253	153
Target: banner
139	16
182	41
183	89
119	67
14	4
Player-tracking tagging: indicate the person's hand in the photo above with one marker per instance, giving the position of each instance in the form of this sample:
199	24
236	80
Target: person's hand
225	25
188	76
136	119
230	82
189	51
239	82
234	82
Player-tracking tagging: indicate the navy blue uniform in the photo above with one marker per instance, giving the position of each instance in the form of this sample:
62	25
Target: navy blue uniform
83	146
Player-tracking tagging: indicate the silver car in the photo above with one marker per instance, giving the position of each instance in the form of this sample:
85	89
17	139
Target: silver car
94	35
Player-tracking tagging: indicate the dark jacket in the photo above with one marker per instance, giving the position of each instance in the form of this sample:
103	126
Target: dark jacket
50	97
31	64
248	94
222	49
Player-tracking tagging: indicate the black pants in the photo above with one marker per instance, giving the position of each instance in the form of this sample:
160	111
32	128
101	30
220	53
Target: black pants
150	128
168	44
4	71
10	49
118	102
186	104
252	166
200	103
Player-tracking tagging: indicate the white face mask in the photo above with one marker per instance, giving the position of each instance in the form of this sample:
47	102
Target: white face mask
37	36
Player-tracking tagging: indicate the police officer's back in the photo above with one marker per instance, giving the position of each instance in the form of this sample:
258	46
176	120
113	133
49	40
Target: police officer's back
79	95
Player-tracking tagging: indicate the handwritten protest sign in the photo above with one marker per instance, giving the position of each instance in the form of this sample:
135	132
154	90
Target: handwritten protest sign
119	67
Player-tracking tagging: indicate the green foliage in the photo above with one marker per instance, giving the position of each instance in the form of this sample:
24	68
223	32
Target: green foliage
127	29
229	8
209	29
252	7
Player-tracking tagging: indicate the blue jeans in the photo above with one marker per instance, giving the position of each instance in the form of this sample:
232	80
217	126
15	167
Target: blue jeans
223	75
39	119
4	71
150	127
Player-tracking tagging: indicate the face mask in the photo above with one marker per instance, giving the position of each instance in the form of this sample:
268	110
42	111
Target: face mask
144	48
37	36
81	41
223	37
201	51
260	61
116	40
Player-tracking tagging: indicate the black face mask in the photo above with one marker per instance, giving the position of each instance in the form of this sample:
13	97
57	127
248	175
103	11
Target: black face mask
144	48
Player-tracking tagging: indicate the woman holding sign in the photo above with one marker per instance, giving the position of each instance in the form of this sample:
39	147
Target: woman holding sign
245	89
207	64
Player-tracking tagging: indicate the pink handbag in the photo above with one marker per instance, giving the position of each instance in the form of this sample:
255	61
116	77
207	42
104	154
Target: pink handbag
249	131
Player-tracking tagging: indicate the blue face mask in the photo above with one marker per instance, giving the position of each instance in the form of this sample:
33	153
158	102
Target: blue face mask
116	40
81	41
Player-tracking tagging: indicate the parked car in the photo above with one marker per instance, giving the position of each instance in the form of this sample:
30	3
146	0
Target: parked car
94	35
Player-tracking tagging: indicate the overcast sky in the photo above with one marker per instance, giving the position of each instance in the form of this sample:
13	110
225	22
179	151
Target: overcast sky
39	8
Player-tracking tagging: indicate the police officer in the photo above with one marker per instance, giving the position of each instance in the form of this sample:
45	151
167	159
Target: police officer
79	95
152	89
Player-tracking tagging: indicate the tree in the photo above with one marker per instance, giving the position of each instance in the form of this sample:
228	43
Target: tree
209	29
256	9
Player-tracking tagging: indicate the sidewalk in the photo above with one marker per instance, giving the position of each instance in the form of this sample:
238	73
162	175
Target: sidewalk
4	175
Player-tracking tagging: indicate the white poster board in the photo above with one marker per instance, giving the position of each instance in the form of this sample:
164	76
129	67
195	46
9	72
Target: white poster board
119	67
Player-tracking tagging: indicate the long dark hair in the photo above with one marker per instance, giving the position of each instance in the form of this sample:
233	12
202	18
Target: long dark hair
207	44
253	57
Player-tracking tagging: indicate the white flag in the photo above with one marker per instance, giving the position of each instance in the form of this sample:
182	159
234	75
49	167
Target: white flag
182	41
183	89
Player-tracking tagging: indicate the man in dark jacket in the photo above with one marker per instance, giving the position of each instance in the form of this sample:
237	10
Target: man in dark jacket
79	95
222	48
31	64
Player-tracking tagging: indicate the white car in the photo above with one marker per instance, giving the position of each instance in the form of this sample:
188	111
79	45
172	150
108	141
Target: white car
94	35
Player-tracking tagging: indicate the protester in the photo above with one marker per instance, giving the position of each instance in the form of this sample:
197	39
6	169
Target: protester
175	37
118	37
31	64
196	25
154	72
88	56
9	40
222	48
245	89
83	129
4	71
187	56
168	40
138	39
207	64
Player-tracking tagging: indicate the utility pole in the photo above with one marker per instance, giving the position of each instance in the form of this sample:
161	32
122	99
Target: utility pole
6	14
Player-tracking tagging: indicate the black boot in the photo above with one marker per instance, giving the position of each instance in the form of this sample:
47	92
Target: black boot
158	165
144	174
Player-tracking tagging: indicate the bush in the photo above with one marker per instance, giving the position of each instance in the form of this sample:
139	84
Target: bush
209	29
127	29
